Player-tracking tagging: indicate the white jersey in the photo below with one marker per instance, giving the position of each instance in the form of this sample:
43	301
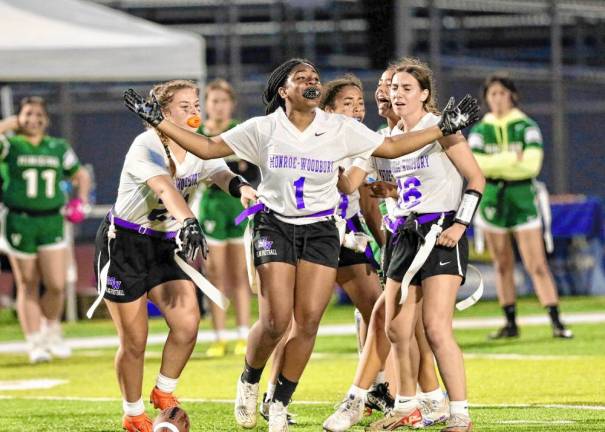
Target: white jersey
145	159
427	180
299	170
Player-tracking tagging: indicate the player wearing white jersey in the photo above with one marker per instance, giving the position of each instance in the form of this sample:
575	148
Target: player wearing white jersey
430	190
351	410
298	148
137	242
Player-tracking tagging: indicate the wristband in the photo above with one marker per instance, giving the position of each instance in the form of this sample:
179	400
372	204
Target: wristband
468	206
236	184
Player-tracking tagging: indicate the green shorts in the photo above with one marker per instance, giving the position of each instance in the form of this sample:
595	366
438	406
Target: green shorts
218	211
26	234
509	206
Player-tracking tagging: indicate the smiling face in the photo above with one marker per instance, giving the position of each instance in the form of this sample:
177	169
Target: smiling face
33	119
499	99
349	101
407	97
219	105
382	93
301	78
184	104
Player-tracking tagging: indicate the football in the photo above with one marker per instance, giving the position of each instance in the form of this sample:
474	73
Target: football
173	419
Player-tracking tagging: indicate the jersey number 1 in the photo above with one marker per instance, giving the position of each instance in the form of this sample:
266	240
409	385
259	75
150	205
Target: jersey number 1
31	182
298	193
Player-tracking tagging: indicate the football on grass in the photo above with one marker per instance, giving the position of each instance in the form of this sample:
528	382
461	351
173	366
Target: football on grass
173	419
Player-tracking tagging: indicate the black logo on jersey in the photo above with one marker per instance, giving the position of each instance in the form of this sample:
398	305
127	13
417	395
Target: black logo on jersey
319	133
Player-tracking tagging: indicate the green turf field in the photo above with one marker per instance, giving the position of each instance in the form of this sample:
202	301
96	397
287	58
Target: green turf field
533	383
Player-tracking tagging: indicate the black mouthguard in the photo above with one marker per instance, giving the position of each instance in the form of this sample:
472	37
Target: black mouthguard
312	93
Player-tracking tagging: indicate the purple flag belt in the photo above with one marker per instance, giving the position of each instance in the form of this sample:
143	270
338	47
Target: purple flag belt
393	225
130	226
253	209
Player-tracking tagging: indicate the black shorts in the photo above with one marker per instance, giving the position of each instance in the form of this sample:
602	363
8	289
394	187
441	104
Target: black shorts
349	257
402	247
138	263
277	241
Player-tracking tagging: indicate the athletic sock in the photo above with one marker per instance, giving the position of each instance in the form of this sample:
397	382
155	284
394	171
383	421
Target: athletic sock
133	409
219	335
251	375
165	384
284	390
459	407
405	403
553	312
510	312
380	378
270	392
357	392
242	332
436	395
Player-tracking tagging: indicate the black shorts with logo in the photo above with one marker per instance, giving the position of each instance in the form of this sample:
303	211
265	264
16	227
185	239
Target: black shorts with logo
349	257
278	241
138	263
404	244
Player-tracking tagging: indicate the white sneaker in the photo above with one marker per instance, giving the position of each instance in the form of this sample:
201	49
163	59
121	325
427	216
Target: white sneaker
278	417
55	343
245	404
36	349
349	413
434	411
38	354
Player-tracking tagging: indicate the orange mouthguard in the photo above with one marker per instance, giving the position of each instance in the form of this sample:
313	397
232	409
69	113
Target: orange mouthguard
194	121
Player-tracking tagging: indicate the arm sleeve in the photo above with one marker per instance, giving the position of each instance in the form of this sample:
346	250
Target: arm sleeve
366	165
476	143
530	164
496	164
144	162
244	140
361	141
532	136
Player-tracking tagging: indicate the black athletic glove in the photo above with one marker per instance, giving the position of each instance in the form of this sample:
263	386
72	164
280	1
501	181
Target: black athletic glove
462	115
148	110
191	240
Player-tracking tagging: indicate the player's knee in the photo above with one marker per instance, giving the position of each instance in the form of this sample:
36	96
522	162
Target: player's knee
133	347
308	327
275	327
186	331
504	265
436	334
397	334
538	268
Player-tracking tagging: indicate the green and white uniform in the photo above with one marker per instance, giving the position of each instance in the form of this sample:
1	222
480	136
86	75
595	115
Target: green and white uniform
509	151
218	209
32	192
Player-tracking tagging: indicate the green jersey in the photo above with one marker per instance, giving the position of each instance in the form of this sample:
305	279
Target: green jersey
34	172
508	148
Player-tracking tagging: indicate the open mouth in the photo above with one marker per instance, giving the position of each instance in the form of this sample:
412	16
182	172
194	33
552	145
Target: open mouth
358	118
311	93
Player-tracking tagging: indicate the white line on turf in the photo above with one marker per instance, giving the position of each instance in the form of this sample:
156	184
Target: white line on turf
536	422
298	402
31	384
325	330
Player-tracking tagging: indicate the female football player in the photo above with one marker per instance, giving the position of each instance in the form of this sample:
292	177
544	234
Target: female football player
33	227
298	148
135	250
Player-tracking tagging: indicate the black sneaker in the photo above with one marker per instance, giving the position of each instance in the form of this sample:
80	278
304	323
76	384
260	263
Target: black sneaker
263	409
379	398
507	331
562	332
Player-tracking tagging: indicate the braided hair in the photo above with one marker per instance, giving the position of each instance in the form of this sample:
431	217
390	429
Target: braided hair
164	94
277	79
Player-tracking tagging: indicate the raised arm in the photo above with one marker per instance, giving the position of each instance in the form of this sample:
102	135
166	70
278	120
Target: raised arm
452	120
201	146
10	123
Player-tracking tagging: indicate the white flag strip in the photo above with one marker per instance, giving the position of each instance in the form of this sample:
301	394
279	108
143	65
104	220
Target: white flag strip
202	283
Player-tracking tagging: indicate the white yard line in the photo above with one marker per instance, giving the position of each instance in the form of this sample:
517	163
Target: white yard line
95	342
298	402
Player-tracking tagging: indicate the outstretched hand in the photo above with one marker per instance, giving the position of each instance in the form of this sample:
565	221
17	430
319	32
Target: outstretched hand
148	110
191	240
455	118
